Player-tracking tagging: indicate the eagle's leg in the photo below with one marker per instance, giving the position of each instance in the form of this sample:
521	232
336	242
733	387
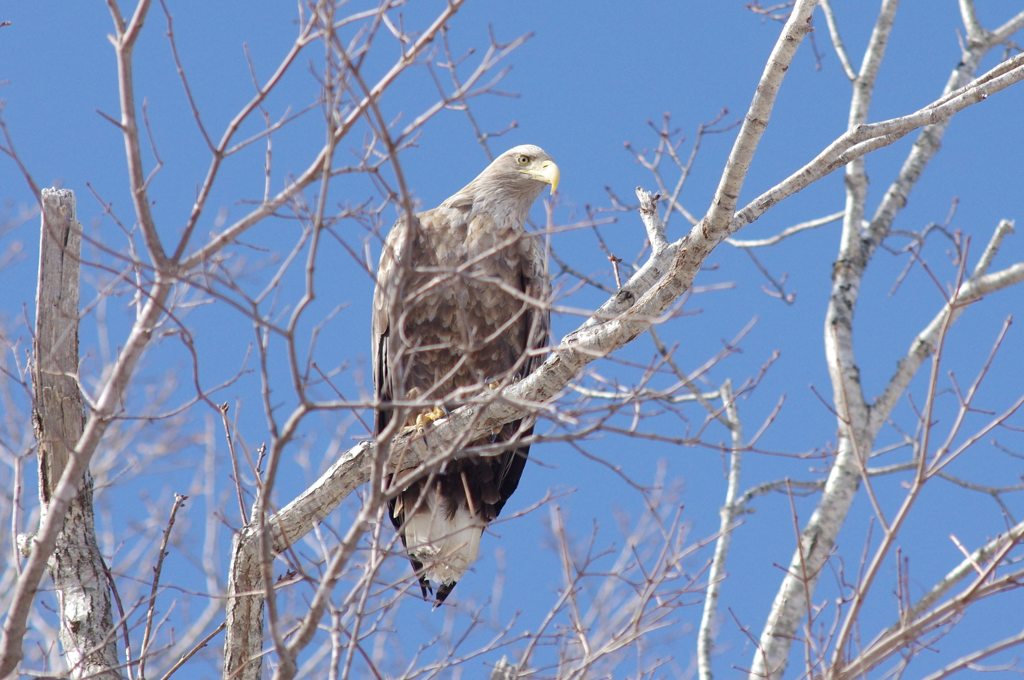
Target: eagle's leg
494	387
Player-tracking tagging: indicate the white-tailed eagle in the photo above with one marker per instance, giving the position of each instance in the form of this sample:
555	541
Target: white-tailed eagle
461	307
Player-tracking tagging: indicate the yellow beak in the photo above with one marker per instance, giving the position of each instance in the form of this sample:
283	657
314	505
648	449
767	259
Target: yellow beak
547	173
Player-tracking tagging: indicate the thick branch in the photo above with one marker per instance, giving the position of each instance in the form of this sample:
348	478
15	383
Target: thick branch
865	138
723	205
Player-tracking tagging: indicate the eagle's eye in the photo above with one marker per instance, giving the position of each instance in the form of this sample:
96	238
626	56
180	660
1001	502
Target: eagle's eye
522	159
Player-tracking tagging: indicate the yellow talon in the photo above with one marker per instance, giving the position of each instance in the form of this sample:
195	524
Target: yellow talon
424	419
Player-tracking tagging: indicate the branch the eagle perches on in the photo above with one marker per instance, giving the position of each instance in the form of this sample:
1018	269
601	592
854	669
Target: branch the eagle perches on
634	308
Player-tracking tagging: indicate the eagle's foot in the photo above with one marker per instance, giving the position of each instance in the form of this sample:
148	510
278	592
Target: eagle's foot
426	418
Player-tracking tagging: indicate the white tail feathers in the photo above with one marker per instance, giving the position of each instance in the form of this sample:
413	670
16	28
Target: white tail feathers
445	546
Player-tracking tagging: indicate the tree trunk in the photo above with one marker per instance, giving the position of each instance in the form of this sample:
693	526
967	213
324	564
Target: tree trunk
79	575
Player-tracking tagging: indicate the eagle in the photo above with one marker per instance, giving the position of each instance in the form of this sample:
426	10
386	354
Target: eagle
460	307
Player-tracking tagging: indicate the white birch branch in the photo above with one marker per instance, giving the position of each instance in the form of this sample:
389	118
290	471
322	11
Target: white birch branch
868	137
786	233
856	429
727	523
723	205
923	346
837	41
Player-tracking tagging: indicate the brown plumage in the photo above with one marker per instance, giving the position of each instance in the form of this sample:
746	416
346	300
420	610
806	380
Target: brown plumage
460	305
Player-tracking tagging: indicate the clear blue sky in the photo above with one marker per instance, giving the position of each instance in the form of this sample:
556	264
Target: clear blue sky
589	80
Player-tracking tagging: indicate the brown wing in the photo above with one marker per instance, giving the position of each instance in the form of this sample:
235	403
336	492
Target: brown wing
535	284
395	260
408	284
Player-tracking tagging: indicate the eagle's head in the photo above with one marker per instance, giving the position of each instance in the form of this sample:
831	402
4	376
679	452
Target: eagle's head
510	184
527	162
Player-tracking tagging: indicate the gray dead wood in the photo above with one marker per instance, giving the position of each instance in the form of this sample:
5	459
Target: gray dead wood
87	632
